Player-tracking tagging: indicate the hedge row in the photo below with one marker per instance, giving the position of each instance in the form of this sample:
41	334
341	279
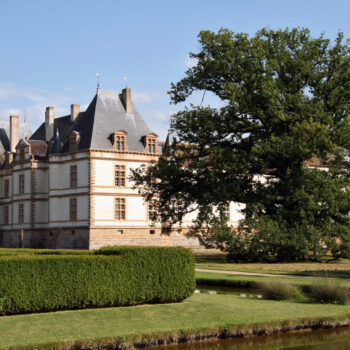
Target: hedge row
110	277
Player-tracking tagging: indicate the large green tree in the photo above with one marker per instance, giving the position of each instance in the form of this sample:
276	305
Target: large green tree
285	101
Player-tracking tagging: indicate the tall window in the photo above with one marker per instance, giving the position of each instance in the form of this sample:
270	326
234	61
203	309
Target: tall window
152	210
6	215
73	176
151	143
73	209
7	188
119	142
120	175
120	209
226	212
74	141
21	184
21	153
20	213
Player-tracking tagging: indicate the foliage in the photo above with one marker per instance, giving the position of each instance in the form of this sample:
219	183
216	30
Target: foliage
284	99
133	275
329	291
280	291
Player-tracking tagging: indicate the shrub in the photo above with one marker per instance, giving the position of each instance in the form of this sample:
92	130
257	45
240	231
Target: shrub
129	276
280	291
329	291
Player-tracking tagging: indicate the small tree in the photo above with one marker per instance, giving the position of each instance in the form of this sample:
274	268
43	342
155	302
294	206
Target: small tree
285	101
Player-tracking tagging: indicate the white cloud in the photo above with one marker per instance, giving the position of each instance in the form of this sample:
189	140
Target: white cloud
190	62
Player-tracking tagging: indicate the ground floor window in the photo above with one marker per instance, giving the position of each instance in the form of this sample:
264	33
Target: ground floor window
73	209
120	209
6	215
20	213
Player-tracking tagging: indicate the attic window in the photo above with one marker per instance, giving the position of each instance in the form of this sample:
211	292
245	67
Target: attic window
74	141
21	153
151	143
119	140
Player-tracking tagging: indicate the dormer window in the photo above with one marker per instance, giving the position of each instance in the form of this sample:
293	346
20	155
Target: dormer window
119	141
74	141
21	153
151	143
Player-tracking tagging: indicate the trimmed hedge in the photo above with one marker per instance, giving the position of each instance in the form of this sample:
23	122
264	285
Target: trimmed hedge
110	277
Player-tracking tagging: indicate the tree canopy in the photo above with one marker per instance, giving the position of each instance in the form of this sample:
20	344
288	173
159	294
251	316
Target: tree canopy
285	101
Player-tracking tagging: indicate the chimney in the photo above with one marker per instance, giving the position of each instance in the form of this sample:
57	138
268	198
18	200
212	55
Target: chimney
74	111
14	132
127	99
49	123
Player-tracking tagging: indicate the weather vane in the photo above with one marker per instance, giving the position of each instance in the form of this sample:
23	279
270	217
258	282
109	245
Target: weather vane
126	81
98	81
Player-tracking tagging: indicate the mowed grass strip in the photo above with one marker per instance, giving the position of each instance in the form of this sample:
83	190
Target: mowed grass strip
217	261
132	324
222	279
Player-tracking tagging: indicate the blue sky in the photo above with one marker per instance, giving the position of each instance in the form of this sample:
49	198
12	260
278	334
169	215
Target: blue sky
51	50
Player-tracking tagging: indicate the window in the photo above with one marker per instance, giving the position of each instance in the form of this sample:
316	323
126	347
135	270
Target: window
7	188
21	153
120	175
73	209
151	143
119	142
21	184
73	176
226	212
120	209
6	215
74	141
20	213
152	210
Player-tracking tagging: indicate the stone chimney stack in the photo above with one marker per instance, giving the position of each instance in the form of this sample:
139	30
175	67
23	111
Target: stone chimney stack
14	132
127	100
49	123
74	111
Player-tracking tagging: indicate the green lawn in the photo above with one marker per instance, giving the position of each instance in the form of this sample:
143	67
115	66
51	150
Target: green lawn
200	313
217	261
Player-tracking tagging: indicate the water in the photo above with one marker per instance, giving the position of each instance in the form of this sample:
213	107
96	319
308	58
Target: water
334	339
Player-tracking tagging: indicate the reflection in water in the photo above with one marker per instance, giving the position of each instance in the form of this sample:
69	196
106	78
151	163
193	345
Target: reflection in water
335	339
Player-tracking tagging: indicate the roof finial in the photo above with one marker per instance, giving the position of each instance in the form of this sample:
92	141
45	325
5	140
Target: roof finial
126	82
98	81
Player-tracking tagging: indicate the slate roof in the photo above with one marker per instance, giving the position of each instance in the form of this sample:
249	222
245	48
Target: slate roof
105	115
24	132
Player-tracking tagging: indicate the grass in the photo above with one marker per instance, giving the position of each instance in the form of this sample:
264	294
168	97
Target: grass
217	261
280	291
201	315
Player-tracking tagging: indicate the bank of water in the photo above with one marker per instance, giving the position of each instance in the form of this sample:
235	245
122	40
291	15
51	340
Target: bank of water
322	339
331	339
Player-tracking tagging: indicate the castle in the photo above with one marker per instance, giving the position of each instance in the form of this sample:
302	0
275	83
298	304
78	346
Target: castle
66	185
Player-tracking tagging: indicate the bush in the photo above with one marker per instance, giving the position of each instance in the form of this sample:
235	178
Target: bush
329	291
280	291
129	276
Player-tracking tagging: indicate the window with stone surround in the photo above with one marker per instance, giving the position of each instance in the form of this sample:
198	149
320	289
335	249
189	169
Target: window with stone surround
120	175
120	209
73	176
74	141
22	153
6	188
226	212
152	210
6	215
73	209
21	184
151	145
119	140
20	213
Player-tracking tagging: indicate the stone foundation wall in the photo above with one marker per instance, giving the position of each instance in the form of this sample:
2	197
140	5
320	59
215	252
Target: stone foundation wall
138	236
94	238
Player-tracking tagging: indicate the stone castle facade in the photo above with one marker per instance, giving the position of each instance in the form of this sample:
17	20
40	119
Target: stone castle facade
66	185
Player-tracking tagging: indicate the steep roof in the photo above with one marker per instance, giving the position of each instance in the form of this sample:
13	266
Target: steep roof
24	132
105	115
